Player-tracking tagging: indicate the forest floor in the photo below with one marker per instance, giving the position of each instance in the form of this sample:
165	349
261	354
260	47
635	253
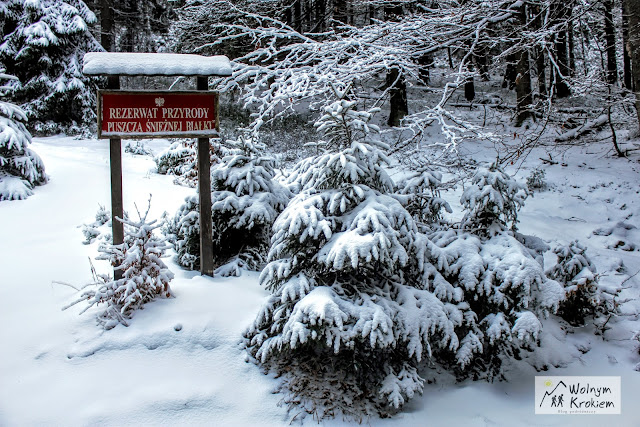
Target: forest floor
180	362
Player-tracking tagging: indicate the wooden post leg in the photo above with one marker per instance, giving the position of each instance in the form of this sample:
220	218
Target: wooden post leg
117	210
204	188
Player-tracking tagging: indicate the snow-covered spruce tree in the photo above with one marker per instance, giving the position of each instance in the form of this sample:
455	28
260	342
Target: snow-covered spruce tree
495	287
180	159
492	200
424	199
43	44
144	275
92	231
345	327
578	275
20	167
245	202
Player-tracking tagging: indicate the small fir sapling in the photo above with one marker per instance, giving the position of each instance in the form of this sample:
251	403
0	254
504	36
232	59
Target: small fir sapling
92	231
424	199
185	232
245	202
180	159
492	200
342	327
144	275
578	274
536	180
137	148
21	168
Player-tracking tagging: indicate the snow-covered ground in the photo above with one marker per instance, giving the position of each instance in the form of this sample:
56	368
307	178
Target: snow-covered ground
179	363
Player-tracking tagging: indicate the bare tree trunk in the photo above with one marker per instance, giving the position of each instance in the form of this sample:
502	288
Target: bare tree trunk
610	42
469	84
482	60
398	107
542	76
524	97
469	89
562	13
571	48
106	25
633	9
372	13
321	16
510	72
626	57
540	55
340	11
308	16
425	61
297	16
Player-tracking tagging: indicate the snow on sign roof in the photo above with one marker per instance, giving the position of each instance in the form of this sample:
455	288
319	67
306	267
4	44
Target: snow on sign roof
154	64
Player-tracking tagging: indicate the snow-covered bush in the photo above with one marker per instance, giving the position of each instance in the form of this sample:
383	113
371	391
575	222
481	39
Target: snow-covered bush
180	159
144	275
344	326
496	293
43	44
341	124
578	274
20	167
425	202
92	231
492	200
494	284
245	202
137	148
536	180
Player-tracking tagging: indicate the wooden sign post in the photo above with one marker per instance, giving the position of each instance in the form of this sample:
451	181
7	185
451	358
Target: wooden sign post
204	191
163	114
117	206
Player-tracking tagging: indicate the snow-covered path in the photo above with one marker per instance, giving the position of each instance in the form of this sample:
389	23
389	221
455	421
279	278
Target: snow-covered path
179	362
58	368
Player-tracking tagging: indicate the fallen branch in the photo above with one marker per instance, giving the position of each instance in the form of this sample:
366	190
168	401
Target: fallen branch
588	127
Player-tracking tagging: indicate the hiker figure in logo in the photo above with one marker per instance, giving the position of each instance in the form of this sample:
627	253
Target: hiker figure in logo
554	403
561	400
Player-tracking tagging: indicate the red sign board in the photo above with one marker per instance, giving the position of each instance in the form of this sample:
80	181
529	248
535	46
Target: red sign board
157	114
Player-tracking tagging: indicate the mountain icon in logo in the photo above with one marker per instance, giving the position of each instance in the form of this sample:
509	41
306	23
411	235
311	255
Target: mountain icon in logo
553	392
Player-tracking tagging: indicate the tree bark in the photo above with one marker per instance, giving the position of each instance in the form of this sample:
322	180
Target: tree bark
524	97
562	13
106	25
510	72
610	42
540	55
482	60
633	10
297	16
340	11
425	61
469	86
398	107
321	16
626	57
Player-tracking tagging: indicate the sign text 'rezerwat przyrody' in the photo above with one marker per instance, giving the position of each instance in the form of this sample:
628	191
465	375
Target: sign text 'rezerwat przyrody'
157	114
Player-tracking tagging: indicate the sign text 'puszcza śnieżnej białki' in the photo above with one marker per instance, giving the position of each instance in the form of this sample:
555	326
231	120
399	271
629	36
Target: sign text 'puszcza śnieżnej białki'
157	114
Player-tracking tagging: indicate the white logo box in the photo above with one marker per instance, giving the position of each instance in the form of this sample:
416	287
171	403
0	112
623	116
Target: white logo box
577	395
